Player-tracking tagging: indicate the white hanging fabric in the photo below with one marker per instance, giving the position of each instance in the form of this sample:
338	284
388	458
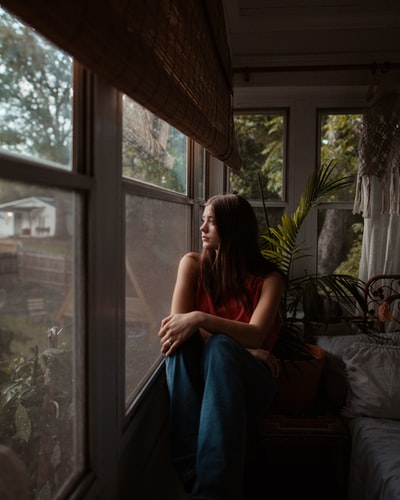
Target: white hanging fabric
379	151
381	239
378	182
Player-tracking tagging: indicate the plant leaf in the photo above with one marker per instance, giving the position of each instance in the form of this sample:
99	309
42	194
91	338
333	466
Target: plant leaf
23	423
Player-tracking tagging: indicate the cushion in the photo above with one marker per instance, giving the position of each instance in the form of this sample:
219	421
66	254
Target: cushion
373	374
334	378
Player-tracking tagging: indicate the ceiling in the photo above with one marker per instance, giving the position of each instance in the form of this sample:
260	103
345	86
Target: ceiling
302	33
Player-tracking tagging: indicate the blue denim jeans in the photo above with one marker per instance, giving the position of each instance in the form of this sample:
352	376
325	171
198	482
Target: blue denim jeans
214	387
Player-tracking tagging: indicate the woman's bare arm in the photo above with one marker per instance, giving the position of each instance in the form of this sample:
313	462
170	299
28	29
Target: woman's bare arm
184	321
183	298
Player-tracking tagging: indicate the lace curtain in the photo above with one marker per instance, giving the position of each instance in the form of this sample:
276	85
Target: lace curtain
378	181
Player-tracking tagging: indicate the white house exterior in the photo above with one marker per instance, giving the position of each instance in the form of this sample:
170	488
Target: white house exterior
33	216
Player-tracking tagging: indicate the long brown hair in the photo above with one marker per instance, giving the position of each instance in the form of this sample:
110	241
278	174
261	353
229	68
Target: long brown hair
224	272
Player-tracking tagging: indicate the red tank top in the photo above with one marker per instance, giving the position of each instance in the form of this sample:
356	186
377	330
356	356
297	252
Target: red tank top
236	311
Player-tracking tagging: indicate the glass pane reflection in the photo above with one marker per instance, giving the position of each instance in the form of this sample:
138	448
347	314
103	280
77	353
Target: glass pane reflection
41	406
152	256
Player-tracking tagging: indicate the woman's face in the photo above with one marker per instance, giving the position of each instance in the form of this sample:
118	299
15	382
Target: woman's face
209	232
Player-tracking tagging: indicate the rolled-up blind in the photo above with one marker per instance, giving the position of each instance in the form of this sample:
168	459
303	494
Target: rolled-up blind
171	56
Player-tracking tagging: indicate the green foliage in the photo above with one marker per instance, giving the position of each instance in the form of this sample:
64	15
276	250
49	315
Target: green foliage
35	94
260	139
351	264
36	415
340	135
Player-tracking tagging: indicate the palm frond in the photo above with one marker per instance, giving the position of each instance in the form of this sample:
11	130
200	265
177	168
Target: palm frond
282	247
339	287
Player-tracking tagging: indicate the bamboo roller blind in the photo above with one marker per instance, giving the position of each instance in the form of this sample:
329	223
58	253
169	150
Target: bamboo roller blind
171	56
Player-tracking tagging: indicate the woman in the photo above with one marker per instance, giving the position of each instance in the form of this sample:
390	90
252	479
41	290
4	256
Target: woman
220	373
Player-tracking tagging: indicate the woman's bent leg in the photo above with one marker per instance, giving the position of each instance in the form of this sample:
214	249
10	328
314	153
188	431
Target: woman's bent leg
185	386
235	384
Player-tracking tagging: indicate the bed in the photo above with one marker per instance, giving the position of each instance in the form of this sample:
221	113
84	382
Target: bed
362	377
375	462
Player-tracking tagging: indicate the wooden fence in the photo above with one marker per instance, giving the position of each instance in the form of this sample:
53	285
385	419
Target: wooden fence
45	268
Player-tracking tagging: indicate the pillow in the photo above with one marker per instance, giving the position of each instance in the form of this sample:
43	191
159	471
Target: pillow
373	374
334	378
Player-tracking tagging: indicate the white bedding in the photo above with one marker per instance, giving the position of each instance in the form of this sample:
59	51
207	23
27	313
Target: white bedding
375	459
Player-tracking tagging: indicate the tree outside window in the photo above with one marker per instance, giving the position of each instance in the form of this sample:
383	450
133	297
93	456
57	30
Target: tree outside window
339	231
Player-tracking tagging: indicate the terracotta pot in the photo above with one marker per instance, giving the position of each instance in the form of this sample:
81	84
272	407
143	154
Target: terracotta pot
299	383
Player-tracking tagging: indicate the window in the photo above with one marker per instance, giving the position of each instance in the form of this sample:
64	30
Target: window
339	139
153	151
261	143
35	95
41	265
41	406
67	235
158	230
261	138
339	231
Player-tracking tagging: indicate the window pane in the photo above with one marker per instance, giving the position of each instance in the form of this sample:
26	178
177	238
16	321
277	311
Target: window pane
152	150
273	218
157	235
41	333
35	95
340	136
261	144
339	241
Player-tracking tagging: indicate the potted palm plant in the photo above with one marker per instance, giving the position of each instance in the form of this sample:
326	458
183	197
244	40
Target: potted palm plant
307	297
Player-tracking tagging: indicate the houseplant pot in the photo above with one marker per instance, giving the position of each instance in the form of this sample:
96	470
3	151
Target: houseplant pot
298	383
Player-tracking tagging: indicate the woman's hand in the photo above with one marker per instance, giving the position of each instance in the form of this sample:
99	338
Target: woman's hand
175	329
269	359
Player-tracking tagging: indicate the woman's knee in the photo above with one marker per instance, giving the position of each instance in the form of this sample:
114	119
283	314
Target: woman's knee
188	354
221	341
